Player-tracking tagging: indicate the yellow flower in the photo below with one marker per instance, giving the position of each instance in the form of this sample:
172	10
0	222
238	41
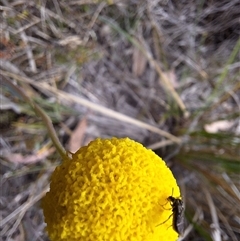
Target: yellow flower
111	190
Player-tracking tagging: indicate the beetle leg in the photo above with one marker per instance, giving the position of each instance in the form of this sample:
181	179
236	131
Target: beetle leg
165	220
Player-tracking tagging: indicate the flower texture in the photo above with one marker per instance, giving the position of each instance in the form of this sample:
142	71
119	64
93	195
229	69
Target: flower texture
111	190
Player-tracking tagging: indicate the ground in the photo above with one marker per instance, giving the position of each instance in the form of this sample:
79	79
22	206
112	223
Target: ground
164	73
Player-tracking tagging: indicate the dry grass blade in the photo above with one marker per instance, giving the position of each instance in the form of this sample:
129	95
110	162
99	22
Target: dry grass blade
96	14
10	67
216	234
63	96
231	184
31	60
197	216
36	21
226	223
160	144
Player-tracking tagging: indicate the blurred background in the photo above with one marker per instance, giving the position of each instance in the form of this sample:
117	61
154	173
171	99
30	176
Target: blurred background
164	73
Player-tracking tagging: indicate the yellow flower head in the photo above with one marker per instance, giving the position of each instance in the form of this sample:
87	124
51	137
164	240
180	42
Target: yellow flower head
111	190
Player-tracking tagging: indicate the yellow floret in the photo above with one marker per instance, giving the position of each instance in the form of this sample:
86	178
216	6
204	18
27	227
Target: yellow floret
111	190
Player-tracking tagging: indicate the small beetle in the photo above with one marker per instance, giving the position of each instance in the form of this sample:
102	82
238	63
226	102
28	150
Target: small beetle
177	213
